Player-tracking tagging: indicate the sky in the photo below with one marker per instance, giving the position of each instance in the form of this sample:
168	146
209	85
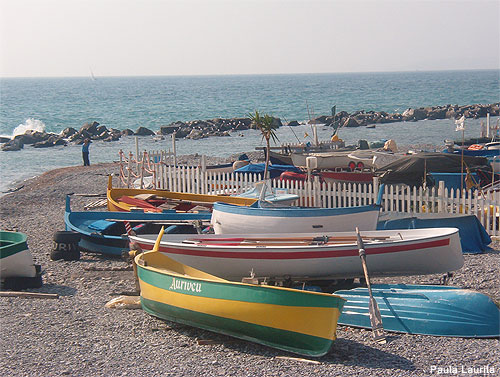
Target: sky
57	38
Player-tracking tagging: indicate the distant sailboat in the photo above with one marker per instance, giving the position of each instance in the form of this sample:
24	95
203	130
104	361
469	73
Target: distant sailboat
92	77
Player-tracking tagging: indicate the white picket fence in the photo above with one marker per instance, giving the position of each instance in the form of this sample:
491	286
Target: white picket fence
398	198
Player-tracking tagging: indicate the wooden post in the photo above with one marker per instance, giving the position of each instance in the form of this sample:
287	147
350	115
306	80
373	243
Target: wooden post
488	125
137	148
121	166
203	163
376	183
441	197
174	152
130	156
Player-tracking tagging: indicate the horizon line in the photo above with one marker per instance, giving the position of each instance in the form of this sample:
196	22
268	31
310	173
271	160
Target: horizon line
252	74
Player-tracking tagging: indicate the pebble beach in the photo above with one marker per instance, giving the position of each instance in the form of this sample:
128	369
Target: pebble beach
77	335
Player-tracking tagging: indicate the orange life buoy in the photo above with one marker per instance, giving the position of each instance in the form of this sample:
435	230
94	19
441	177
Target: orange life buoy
475	147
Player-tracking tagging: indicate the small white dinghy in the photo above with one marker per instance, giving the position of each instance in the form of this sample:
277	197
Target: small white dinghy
314	256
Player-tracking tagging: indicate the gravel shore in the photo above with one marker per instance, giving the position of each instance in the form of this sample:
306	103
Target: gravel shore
77	335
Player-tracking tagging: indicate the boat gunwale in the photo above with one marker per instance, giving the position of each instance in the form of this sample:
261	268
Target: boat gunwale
15	245
114	204
279	212
218	280
341	246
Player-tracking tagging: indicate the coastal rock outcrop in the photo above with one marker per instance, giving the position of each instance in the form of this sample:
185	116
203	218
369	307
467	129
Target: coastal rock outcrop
143	131
198	129
127	132
350	122
365	118
414	114
90	128
51	141
12	145
67	132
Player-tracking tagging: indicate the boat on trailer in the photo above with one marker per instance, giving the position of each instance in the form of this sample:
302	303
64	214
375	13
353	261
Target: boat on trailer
293	320
314	256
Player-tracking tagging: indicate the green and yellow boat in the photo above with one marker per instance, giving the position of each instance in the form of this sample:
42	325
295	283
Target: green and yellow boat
297	321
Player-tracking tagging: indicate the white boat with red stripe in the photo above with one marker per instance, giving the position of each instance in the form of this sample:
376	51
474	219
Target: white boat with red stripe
314	256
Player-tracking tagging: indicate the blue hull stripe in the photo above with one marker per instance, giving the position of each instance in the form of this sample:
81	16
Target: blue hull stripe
292	211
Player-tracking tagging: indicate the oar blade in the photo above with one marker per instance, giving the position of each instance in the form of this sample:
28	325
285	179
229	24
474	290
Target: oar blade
376	322
374	311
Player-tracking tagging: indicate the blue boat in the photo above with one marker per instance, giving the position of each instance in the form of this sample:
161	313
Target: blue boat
274	170
424	309
477	152
104	231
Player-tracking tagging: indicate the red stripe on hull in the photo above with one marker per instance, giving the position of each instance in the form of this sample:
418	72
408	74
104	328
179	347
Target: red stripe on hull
203	252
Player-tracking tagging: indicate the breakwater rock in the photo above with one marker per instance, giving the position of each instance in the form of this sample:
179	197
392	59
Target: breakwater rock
199	129
37	139
365	118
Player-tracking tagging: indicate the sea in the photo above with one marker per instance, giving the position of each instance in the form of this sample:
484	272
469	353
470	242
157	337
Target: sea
53	104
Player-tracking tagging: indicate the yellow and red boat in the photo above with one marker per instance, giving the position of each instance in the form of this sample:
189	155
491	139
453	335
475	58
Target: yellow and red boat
126	199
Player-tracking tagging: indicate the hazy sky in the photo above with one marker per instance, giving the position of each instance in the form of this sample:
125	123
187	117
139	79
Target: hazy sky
188	37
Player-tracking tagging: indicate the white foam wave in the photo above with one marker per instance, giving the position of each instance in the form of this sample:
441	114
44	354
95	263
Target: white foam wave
29	124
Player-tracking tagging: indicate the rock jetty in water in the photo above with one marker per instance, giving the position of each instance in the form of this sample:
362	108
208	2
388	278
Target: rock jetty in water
199	129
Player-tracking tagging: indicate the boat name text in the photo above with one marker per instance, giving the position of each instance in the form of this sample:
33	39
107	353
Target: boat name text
181	285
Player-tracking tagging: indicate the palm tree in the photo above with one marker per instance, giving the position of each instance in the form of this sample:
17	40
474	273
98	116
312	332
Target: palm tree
266	125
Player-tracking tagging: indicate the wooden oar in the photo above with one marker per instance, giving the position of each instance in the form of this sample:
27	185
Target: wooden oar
375	317
323	239
165	222
262	243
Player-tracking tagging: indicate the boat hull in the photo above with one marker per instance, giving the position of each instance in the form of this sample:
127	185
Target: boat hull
123	199
406	252
15	258
347	176
112	240
424	309
227	219
347	159
297	321
328	160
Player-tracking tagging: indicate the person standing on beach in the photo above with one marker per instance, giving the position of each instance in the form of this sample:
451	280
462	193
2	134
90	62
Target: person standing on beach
85	152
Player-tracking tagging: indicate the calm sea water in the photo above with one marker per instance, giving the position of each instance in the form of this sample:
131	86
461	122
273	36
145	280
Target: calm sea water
52	104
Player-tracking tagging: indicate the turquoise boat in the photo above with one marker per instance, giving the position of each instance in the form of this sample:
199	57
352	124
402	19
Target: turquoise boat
424	309
297	321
